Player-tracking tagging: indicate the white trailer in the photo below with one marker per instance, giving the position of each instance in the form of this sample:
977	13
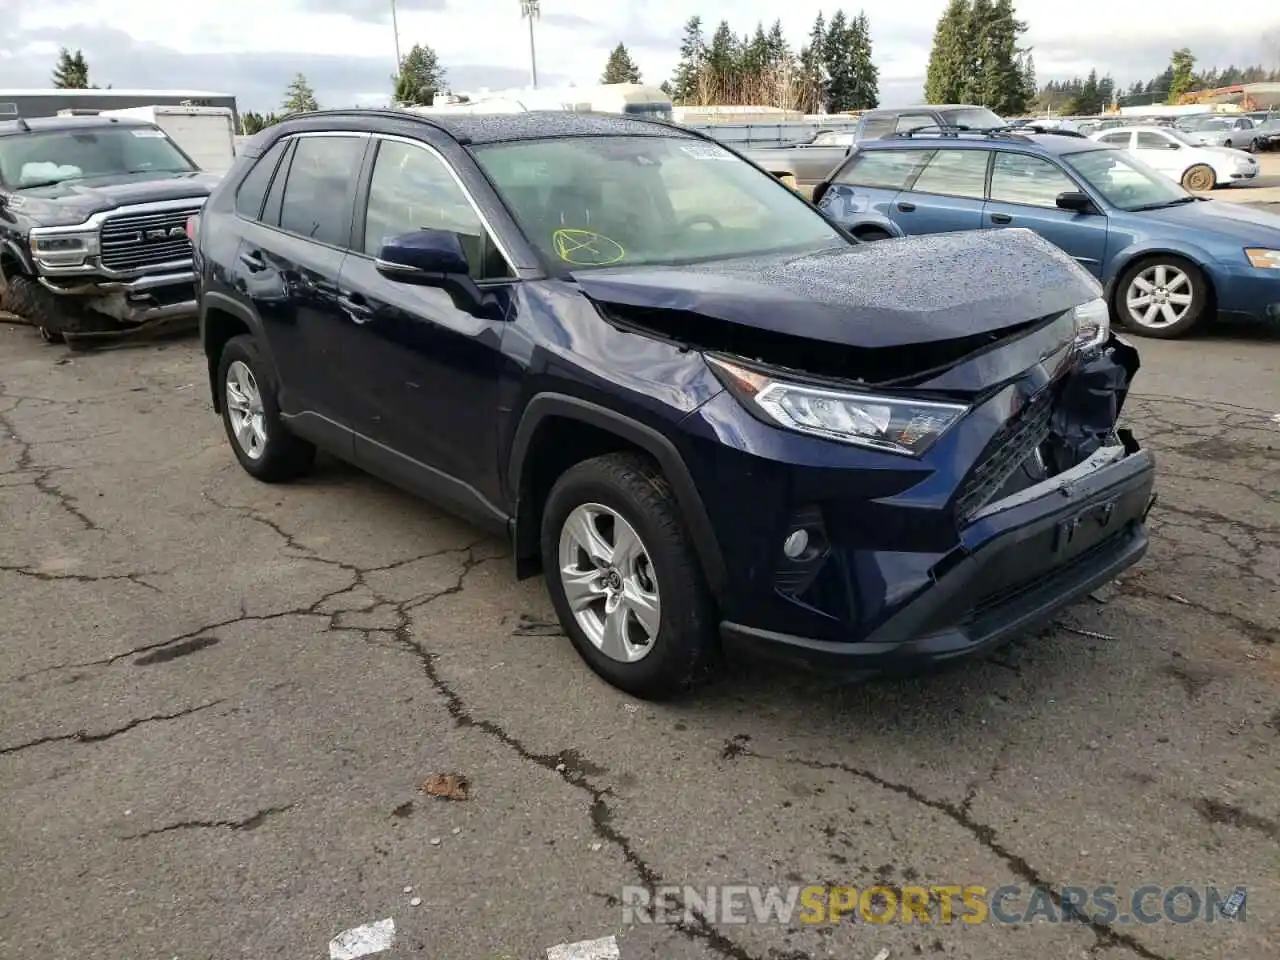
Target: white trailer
628	99
206	134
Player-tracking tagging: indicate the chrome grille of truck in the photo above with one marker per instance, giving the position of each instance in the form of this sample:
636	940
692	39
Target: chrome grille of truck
136	241
1011	445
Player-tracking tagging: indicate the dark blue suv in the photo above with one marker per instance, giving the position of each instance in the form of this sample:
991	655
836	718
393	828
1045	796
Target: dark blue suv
708	414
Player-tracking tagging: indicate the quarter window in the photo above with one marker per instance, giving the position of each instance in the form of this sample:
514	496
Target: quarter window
1117	139
253	188
318	194
883	169
955	173
1034	181
412	189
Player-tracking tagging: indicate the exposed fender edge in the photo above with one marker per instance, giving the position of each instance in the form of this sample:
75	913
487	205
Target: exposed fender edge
220	301
878	223
18	254
688	498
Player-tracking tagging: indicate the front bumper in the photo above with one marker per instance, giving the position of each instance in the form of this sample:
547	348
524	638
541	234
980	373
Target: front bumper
1021	561
149	298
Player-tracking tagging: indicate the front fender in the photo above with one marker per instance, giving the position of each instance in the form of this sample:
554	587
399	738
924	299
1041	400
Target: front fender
1119	263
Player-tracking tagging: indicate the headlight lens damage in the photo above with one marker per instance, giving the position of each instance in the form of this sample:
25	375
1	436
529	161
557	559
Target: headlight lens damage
1264	259
1093	324
893	424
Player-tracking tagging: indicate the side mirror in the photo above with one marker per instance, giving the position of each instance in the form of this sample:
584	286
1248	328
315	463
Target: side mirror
431	258
1075	201
1173	146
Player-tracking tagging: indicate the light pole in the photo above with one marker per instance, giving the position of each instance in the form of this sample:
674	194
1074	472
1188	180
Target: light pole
530	9
395	32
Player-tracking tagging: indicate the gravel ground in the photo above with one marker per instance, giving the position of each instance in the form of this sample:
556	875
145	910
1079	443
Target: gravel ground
218	701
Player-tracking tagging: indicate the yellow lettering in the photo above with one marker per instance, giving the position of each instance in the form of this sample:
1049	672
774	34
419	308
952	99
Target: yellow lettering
945	897
975	898
887	895
843	900
915	905
813	901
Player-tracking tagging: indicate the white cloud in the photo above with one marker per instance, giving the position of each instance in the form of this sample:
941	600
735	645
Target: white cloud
1132	40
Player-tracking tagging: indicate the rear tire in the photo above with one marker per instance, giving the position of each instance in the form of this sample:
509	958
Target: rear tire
1200	178
257	433
1162	297
641	569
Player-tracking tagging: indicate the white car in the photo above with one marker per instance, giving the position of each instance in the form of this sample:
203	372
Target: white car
1181	158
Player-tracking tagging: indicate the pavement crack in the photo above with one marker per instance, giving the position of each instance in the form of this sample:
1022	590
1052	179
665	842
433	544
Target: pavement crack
84	736
43	479
37	574
986	837
252	822
1228	814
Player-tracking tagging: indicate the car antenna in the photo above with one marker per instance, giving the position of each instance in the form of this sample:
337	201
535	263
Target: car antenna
10	111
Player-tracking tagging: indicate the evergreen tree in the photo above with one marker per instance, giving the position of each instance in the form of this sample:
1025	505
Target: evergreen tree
686	87
998	82
951	60
1027	75
837	63
864	75
723	57
71	71
1182	67
420	79
620	68
813	72
299	97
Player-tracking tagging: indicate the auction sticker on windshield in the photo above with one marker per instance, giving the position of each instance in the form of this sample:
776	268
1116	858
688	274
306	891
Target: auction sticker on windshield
706	151
147	134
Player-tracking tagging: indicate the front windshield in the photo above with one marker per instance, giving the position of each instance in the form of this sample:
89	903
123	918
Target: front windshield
1125	181
623	201
975	118
31	159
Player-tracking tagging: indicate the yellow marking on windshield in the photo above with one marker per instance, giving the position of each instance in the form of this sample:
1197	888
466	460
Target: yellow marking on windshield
584	248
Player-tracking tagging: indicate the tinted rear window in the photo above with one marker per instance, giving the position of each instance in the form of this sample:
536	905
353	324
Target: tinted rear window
883	169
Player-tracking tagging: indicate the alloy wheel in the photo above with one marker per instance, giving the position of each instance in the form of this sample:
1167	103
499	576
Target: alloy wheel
244	406
609	582
1159	296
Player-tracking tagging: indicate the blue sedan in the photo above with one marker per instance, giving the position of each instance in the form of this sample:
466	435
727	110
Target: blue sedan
1167	259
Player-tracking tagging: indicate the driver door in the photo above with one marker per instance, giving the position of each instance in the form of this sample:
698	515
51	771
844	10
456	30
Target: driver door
1160	151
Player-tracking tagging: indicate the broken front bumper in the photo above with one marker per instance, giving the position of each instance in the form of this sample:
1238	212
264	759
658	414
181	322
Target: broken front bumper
1020	561
146	299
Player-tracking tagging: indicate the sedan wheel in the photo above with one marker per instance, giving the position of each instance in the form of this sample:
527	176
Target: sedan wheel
1162	298
609	582
1200	178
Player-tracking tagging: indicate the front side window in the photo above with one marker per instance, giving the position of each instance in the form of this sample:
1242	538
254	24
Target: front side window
1150	140
620	200
955	173
42	159
411	190
1124	180
873	128
883	169
1032	181
1117	139
318	194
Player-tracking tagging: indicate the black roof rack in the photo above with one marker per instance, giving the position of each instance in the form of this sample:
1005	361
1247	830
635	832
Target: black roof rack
1009	132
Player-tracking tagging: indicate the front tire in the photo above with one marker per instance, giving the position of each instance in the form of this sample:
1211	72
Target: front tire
624	577
40	308
1162	296
247	397
1200	178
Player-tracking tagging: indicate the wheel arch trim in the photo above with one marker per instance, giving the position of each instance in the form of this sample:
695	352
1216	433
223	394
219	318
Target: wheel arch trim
222	303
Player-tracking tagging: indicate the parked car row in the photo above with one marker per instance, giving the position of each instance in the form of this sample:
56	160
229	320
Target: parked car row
1166	258
713	418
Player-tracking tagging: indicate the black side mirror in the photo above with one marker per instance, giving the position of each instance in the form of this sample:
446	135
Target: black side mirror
1075	201
431	258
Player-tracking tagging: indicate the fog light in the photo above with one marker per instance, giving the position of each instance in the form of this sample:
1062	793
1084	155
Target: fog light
796	544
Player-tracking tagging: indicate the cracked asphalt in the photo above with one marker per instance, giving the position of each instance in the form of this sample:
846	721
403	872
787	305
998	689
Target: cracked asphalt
218	700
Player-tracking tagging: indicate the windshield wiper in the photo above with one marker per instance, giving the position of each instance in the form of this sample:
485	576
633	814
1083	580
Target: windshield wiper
46	183
1166	203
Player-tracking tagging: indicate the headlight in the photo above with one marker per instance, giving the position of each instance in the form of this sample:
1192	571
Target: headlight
1264	259
1093	324
62	249
894	424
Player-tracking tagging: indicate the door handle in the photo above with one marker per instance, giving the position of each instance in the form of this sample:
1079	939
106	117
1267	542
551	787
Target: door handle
1001	218
906	207
355	307
253	260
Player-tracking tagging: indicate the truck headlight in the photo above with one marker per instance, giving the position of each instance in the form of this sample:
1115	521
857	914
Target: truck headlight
1264	259
63	249
1093	324
892	424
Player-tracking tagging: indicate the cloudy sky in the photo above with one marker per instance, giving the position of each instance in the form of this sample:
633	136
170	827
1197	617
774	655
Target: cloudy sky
346	47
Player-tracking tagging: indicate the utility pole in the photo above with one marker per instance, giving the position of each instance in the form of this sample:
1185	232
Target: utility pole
531	9
395	32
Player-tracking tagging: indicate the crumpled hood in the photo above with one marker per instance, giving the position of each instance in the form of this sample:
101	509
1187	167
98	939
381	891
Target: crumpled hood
83	198
892	293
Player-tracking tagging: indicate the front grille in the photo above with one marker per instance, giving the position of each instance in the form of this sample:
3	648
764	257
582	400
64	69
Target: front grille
1011	445
136	241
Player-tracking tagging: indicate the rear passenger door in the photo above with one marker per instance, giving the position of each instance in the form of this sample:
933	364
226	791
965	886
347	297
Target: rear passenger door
288	265
946	194
865	188
1024	193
